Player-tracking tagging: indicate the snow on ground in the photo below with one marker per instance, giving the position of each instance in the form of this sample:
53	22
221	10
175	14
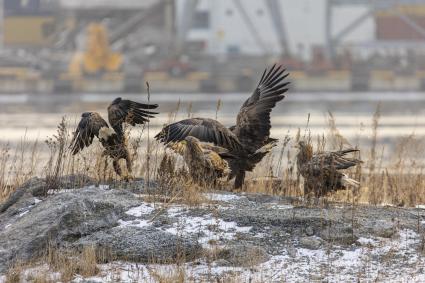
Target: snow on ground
222	197
206	228
379	260
280	206
144	208
24	211
375	259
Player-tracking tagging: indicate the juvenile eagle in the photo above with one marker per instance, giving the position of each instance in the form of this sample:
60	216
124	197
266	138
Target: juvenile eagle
321	170
249	140
206	162
113	140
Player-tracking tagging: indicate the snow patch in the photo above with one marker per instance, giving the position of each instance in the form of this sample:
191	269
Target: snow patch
222	197
138	211
23	213
103	187
281	206
207	228
134	223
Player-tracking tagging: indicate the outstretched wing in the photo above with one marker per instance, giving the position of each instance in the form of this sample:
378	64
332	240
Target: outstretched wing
126	111
206	130
88	127
253	121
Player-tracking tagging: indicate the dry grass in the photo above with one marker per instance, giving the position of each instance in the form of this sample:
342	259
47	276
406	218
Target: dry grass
57	265
386	177
70	262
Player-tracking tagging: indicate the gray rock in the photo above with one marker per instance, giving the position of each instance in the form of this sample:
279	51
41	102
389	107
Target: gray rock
145	244
339	235
383	229
246	255
89	216
312	243
37	187
309	231
61	218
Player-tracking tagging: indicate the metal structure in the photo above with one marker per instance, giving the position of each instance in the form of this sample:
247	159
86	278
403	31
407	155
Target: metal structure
335	40
183	26
279	25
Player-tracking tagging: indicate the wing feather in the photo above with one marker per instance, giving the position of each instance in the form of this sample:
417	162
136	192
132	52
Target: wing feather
87	129
206	130
253	121
122	111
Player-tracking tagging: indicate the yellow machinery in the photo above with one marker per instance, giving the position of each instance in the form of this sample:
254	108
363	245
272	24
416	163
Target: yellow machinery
28	30
97	57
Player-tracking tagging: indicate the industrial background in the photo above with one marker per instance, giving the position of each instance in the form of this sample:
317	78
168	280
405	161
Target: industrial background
97	46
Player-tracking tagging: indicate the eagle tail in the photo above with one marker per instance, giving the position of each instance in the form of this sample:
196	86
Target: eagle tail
346	151
347	181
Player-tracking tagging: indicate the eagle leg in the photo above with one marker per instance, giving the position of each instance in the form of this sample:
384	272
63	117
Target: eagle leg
240	178
117	167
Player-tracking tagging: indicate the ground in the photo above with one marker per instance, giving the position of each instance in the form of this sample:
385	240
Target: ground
228	237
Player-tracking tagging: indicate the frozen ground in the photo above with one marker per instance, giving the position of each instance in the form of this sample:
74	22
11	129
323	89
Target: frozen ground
257	238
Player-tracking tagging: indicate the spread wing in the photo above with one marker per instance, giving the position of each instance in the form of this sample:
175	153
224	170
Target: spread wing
206	130
333	161
87	129
253	121
126	111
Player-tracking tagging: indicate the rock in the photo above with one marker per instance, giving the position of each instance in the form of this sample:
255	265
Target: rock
292	252
309	231
37	187
383	229
251	228
60	219
245	255
145	244
339	235
222	262
311	243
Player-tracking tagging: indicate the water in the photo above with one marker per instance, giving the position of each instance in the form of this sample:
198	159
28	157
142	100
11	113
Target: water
402	114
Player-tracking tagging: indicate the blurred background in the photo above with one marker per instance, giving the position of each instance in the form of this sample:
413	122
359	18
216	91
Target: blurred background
64	57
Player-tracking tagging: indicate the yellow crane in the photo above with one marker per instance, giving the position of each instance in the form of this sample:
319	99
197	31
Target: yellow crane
97	56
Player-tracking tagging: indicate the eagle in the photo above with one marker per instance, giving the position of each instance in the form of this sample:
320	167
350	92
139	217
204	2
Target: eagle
321	171
206	162
248	141
113	140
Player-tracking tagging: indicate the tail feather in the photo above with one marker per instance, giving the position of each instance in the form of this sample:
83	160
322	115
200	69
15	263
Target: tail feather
347	181
346	151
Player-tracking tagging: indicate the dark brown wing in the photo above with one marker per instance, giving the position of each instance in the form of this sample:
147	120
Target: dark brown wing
206	130
253	121
87	129
126	111
335	160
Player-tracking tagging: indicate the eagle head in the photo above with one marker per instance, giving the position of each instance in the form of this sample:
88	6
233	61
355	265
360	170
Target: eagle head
105	133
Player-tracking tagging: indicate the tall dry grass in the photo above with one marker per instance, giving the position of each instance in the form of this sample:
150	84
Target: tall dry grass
395	177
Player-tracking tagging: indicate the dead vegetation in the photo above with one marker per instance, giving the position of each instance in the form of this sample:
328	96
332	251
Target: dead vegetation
395	177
